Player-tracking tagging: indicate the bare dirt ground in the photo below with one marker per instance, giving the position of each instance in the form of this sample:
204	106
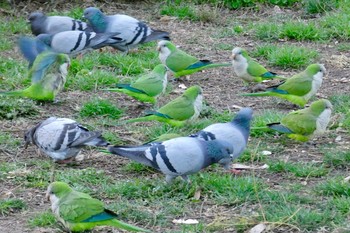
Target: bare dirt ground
221	89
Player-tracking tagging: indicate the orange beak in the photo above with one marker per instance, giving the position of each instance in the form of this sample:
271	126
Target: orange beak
158	48
233	56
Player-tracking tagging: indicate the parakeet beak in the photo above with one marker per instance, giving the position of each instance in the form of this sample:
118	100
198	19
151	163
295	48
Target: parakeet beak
233	56
158	48
47	196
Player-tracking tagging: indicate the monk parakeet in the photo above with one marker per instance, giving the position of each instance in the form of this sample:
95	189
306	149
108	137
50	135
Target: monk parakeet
80	212
132	31
306	123
48	75
147	87
299	88
181	63
249	70
185	107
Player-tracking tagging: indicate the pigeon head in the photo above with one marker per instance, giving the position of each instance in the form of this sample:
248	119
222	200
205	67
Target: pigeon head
243	119
96	18
220	152
36	16
29	136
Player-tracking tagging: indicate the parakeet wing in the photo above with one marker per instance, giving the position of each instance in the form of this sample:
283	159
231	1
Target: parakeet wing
300	122
179	60
151	84
298	85
42	63
77	207
180	108
255	69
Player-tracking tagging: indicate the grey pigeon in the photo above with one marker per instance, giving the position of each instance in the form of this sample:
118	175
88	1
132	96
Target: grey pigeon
178	156
74	42
236	132
41	24
62	138
132	31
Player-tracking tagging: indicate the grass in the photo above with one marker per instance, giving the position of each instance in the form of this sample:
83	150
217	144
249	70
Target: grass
100	107
9	206
220	201
287	56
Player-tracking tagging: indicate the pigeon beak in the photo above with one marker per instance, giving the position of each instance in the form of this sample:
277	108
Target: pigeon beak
26	145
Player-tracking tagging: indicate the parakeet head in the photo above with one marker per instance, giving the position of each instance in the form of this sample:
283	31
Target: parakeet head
238	54
160	68
193	92
166	47
36	16
57	190
317	107
316	69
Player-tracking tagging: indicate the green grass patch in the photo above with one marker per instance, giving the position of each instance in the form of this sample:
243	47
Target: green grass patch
319	6
298	169
335	187
287	56
337	158
8	206
45	219
13	107
100	107
301	31
8	141
340	105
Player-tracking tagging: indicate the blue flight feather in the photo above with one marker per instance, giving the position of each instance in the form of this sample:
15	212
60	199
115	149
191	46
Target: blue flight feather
148	113
130	88
40	67
269	75
279	128
106	215
199	64
31	48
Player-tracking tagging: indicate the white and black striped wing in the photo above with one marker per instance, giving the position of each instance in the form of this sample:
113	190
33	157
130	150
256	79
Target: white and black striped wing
55	24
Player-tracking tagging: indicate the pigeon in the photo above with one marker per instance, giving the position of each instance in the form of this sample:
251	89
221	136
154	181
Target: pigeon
42	24
79	212
236	132
179	156
132	31
75	42
62	138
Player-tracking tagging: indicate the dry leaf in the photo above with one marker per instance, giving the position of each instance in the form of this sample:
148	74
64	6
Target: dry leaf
197	194
266	152
183	221
258	228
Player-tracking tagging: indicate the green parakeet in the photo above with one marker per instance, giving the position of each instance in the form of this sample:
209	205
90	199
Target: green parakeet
79	212
306	123
181	63
148	87
299	88
48	76
247	69
176	112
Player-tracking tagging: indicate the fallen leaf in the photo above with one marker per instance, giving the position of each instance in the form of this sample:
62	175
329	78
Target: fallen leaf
347	179
266	152
258	228
197	194
239	166
182	86
183	221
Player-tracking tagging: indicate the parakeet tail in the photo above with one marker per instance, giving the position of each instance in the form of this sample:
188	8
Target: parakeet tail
125	226
12	93
279	128
266	93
